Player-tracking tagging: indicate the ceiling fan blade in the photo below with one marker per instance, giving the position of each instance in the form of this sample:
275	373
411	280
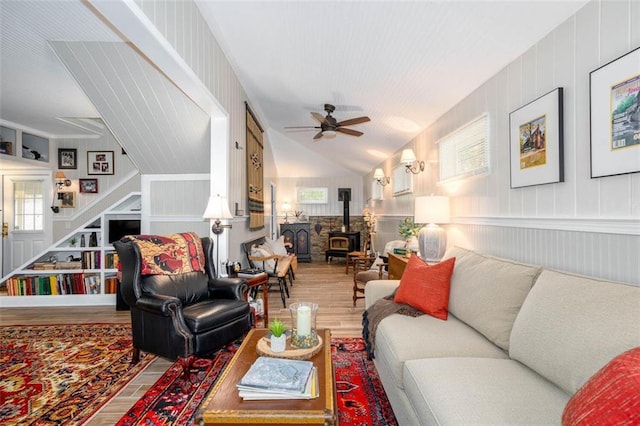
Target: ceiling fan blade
302	127
318	117
349	131
318	135
353	121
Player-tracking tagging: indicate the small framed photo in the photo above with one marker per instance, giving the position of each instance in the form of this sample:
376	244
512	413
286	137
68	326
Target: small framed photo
67	158
88	186
67	199
99	162
614	92
536	141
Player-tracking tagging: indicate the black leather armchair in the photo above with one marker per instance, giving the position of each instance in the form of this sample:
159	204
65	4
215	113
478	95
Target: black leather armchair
183	315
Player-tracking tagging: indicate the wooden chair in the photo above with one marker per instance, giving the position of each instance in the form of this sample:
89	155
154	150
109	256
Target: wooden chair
363	273
358	254
282	271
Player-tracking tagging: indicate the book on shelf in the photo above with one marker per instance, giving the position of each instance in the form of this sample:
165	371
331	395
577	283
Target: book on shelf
279	378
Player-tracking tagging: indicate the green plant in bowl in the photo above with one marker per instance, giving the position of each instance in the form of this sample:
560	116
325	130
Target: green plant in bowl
277	328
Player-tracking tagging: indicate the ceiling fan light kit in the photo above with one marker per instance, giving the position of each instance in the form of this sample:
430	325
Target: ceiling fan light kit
408	158
329	127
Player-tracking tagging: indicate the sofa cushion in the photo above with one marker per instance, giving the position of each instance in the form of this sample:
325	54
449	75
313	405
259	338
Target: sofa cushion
481	391
611	396
571	326
426	287
487	292
398	335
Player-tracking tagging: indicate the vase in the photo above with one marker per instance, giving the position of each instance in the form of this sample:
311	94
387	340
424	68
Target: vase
303	318
278	344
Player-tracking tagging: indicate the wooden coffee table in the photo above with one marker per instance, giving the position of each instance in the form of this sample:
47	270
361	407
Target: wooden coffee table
223	406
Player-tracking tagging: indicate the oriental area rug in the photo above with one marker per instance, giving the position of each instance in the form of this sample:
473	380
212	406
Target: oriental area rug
361	398
63	374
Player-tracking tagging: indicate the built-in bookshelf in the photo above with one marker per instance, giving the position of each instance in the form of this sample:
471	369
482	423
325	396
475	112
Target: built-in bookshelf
79	269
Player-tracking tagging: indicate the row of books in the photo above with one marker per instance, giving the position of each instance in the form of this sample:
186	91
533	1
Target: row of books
54	285
279	378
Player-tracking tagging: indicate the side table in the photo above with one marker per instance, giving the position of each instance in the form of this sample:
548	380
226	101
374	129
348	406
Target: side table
261	279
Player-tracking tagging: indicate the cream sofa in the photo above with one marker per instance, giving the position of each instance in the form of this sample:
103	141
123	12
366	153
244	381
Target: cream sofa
519	342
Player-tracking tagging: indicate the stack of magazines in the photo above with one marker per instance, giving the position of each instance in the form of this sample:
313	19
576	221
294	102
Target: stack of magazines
278	378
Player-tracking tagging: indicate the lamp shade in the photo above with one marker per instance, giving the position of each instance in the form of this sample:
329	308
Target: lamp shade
378	174
217	208
286	207
432	209
60	175
407	157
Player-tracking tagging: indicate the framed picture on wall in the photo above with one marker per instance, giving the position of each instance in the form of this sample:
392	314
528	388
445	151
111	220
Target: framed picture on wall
67	158
614	95
536	141
100	163
88	186
67	199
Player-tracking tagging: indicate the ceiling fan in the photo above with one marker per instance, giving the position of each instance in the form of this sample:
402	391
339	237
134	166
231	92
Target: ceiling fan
329	125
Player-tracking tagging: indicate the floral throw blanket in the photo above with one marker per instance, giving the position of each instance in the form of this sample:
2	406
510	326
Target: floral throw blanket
170	254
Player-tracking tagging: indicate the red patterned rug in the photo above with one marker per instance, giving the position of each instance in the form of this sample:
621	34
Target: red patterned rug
361	398
62	374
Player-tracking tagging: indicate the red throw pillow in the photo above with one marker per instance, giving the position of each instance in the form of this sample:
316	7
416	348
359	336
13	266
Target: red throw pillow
426	287
610	397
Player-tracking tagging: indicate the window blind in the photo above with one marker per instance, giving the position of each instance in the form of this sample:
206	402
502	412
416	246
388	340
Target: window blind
465	151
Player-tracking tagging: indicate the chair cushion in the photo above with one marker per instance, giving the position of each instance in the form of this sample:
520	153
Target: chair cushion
189	287
277	246
213	313
426	287
267	265
611	396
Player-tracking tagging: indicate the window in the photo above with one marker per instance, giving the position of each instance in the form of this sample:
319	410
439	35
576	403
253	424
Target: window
28	206
465	151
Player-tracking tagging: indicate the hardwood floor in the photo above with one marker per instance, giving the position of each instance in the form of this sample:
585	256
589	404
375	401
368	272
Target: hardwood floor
319	282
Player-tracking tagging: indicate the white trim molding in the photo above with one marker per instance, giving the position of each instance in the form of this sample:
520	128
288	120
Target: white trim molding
623	226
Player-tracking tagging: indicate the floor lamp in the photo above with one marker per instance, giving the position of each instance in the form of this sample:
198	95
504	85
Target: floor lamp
217	209
432	239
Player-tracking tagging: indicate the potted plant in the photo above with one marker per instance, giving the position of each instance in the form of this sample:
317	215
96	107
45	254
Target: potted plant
278	335
73	242
409	232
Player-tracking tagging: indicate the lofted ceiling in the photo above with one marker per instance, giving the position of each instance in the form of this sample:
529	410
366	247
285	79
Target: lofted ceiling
401	63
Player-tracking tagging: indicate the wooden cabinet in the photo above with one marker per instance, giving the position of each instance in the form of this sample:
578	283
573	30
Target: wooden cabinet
298	234
397	264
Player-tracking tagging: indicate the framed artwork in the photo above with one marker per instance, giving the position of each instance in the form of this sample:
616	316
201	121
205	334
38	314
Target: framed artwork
312	195
99	162
89	186
614	96
67	199
255	170
67	158
402	181
536	141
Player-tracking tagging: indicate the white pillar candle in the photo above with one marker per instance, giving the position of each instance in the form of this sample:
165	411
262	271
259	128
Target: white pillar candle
304	320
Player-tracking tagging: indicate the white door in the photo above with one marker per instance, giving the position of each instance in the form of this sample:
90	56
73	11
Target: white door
22	241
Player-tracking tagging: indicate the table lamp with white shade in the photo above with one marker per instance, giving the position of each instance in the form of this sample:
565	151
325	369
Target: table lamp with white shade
432	239
217	209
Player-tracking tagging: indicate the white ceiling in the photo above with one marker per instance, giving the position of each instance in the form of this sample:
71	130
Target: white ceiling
401	63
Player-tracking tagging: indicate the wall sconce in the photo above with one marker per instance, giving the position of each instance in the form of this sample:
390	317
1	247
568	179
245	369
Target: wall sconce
286	208
379	177
61	180
408	158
